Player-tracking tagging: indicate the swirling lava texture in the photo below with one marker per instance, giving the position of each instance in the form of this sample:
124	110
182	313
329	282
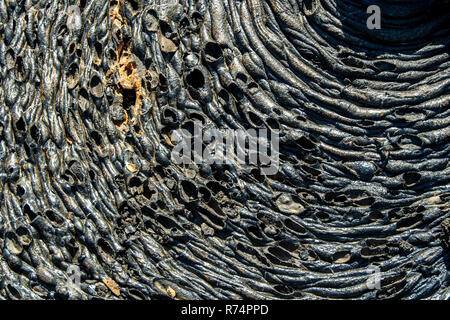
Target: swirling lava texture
90	92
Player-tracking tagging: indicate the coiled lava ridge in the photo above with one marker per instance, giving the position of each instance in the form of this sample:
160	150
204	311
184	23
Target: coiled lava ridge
87	105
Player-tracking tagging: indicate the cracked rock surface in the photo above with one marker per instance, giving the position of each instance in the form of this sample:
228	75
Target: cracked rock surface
90	92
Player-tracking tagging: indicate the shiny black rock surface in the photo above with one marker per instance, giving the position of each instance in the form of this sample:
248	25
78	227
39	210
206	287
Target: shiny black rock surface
93	205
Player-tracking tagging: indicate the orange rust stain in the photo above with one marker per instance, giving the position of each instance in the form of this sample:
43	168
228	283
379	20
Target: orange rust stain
171	292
